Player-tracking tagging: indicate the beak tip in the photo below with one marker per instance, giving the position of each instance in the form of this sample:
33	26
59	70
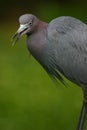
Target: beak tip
12	40
15	38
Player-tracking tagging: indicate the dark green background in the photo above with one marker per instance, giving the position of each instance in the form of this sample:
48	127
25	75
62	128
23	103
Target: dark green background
29	100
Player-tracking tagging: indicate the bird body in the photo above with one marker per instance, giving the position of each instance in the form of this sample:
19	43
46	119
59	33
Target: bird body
60	47
68	37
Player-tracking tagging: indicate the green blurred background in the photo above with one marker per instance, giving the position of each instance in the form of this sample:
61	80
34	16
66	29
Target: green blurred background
29	100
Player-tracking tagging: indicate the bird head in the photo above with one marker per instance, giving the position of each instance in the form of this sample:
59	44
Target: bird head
28	23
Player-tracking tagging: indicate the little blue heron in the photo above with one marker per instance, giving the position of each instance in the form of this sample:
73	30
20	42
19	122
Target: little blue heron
61	48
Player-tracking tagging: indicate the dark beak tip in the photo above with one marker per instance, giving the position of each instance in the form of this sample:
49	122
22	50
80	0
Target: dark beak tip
15	38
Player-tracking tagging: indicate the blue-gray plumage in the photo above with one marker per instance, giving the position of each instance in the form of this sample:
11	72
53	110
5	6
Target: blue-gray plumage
60	47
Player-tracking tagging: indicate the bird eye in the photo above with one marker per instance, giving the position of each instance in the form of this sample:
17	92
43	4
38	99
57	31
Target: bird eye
30	23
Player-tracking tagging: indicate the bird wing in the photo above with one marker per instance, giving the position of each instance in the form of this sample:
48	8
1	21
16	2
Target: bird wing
67	49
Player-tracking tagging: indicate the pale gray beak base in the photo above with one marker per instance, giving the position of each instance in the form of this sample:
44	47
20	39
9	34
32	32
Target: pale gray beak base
19	33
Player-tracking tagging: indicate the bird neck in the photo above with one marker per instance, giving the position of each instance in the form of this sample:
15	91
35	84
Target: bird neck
42	25
36	41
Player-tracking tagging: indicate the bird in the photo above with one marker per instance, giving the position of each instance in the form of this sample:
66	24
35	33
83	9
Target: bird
60	46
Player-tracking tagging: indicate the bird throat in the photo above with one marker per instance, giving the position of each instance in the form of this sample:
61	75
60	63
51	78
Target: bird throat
36	43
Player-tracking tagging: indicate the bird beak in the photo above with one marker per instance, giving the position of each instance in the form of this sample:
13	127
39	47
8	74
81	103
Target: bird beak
20	32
